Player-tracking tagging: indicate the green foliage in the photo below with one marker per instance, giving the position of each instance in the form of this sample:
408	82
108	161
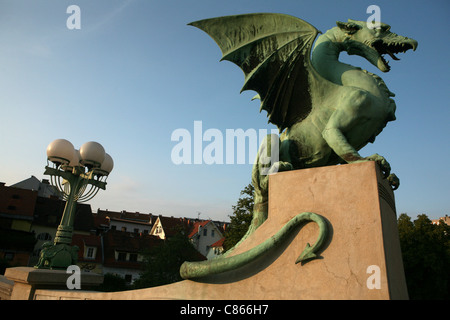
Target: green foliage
241	218
112	282
162	263
426	257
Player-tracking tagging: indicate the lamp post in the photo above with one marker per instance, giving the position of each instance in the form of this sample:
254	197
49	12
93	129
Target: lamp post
78	175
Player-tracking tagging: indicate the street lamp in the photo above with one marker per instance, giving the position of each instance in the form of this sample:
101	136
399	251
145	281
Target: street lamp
77	175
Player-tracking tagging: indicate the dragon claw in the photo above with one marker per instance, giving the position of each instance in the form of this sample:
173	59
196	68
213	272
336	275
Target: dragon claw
382	162
394	181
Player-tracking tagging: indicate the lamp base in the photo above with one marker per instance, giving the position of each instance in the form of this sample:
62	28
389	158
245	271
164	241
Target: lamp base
57	256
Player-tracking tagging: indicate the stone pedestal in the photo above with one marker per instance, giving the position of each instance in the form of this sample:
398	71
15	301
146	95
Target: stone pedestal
27	280
360	260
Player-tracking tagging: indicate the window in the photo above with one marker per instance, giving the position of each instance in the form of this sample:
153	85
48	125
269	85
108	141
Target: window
44	236
205	232
133	257
113	228
124	229
212	233
90	253
122	256
136	230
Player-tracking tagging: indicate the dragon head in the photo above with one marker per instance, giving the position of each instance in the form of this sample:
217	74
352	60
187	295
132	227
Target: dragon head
373	43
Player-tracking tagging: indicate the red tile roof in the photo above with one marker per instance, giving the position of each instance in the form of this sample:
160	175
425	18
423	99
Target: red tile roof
173	225
115	241
218	243
131	216
48	212
197	226
82	240
126	242
17	202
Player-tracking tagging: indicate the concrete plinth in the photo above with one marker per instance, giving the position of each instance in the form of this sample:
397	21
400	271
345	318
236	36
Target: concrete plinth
27	280
361	259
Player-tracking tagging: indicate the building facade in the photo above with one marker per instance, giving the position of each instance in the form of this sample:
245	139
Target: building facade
203	235
108	241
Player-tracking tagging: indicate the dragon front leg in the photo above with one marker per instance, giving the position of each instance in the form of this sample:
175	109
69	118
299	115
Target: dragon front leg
353	116
340	145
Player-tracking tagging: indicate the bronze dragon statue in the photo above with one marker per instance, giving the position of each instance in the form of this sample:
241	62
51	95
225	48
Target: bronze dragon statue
325	110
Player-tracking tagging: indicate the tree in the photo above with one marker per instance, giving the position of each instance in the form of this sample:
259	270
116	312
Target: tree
426	257
241	218
112	282
162	263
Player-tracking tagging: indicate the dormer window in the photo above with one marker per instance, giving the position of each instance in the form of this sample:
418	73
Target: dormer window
90	252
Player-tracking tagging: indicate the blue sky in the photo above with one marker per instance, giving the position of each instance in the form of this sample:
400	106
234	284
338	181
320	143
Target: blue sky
135	72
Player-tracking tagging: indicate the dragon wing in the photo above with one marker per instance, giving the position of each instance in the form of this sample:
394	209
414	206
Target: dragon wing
273	50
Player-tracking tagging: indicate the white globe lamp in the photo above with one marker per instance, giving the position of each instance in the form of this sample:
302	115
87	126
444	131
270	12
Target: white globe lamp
92	154
107	165
60	151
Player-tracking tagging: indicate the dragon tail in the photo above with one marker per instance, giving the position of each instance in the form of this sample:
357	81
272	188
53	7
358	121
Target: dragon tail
190	270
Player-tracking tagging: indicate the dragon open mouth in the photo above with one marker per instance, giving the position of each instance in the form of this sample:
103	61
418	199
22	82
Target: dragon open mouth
391	49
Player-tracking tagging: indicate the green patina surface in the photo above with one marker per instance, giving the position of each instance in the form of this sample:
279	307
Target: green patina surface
61	254
326	110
